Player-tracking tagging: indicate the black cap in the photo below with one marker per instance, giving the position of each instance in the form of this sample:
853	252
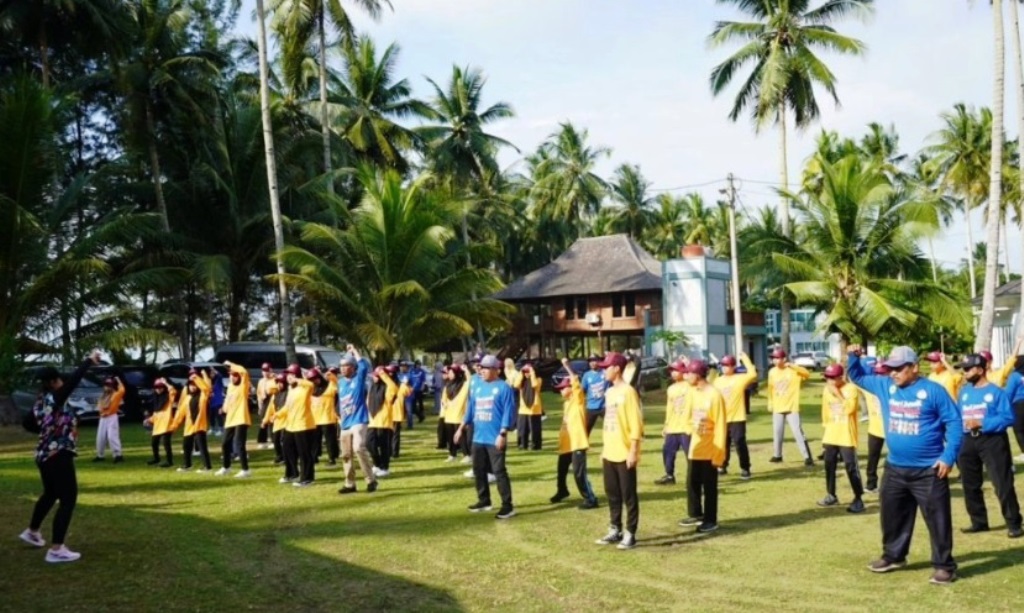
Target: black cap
48	373
974	361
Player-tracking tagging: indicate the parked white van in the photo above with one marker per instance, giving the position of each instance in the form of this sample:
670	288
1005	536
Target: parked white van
253	355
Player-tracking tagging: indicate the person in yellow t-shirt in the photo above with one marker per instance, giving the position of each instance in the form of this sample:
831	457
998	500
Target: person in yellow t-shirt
275	423
236	421
299	427
108	430
623	429
876	432
454	397
704	410
401	410
528	426
840	404
164	397
1000	375
380	401
325	413
784	381
192	412
733	386
573	441
264	398
945	375
677	429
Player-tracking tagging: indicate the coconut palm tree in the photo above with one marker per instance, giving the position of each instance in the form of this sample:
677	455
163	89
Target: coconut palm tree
1018	74
628	189
668	227
567	185
924	180
780	43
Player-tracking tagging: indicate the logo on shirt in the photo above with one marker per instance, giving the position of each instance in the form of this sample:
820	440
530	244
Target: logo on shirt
921	394
989	397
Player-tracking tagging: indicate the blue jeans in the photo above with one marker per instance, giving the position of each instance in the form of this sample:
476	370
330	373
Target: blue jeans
673	444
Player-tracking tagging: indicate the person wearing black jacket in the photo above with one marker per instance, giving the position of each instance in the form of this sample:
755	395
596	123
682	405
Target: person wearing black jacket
55	457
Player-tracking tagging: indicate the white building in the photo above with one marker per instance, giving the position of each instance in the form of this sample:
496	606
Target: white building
1007	324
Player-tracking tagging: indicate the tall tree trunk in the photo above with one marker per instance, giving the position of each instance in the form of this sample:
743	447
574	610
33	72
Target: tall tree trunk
211	318
983	339
935	265
1006	250
970	250
784	305
1019	77
325	129
287	333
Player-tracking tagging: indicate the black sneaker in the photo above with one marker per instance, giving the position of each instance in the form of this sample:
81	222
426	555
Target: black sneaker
278	462
745	475
828	501
118	459
942	577
99	459
559	497
586	505
153	462
348	489
775	459
505	513
809	463
821	456
857	506
166	465
372	487
974	529
613	536
689	522
666	480
881	565
723	470
480	506
1015	533
707	527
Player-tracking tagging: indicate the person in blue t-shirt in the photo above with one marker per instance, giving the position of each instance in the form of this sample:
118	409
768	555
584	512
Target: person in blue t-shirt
924	432
355	419
593	384
986	413
491	410
417	379
1015	391
214	418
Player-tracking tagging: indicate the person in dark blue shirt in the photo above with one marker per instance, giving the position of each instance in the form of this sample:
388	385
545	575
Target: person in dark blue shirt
593	384
1015	390
491	411
924	432
987	416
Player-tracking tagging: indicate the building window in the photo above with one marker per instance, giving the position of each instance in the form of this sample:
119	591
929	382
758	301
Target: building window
623	305
575	307
570	307
581	307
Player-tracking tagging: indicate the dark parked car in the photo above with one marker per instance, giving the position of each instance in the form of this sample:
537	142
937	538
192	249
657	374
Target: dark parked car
176	373
578	366
652	373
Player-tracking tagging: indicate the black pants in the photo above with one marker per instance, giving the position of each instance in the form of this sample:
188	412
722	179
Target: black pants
395	441
674	443
449	437
578	461
620	488
487	459
529	431
262	435
276	438
418	405
234	445
849	455
290	451
59	485
737	436
592	417
197	441
305	443
990	452
903	491
466	442
164	438
702	491
875	444
379	442
327	436
442	435
1018	423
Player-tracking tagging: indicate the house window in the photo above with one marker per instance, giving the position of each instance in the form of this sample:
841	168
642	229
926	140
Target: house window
570	307
581	307
575	307
623	305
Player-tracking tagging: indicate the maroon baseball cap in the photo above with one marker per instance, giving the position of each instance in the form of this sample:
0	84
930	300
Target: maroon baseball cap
778	353
678	366
833	371
293	369
566	382
697	367
934	356
613	358
266	366
728	360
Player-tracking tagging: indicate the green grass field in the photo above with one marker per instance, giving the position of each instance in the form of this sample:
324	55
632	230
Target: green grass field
156	540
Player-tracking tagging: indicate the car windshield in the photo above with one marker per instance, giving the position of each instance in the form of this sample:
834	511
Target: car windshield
330	358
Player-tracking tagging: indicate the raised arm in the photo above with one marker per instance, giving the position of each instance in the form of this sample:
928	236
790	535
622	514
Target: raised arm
61	396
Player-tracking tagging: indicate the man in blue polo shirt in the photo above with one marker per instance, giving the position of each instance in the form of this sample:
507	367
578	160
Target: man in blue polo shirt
417	380
593	384
987	416
491	410
354	419
924	433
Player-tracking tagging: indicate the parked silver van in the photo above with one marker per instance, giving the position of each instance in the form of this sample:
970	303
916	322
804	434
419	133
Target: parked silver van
253	355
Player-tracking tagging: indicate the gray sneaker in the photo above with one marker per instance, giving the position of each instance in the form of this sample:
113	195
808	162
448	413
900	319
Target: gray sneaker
881	565
942	577
828	501
613	536
628	541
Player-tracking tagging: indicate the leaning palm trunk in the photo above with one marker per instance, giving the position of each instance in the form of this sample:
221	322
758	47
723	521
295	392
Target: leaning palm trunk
983	339
325	129
784	210
275	204
1019	76
970	251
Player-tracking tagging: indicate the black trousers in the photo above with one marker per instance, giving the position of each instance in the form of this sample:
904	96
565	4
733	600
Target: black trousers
529	431
418	405
442	435
305	443
379	442
1018	423
60	484
737	436
234	445
396	441
449	437
849	456
578	461
702	491
991	453
466	442
197	441
164	439
327	436
620	488
262	434
592	417
875	444
276	438
487	459
903	491
290	450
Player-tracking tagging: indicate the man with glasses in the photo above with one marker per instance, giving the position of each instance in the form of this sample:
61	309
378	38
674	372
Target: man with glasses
924	434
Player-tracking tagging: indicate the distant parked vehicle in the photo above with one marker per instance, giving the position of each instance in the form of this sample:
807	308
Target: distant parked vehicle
578	366
253	355
812	360
652	373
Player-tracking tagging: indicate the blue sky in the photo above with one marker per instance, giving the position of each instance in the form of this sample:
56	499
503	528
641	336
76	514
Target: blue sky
635	74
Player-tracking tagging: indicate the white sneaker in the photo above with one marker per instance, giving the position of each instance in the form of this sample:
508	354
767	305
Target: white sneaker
202	470
242	474
384	473
1019	459
182	469
450	459
196	454
284	480
466	459
32	538
61	555
491	478
468	474
221	472
261	446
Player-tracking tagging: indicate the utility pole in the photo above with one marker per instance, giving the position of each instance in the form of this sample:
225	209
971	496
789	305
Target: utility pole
737	314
